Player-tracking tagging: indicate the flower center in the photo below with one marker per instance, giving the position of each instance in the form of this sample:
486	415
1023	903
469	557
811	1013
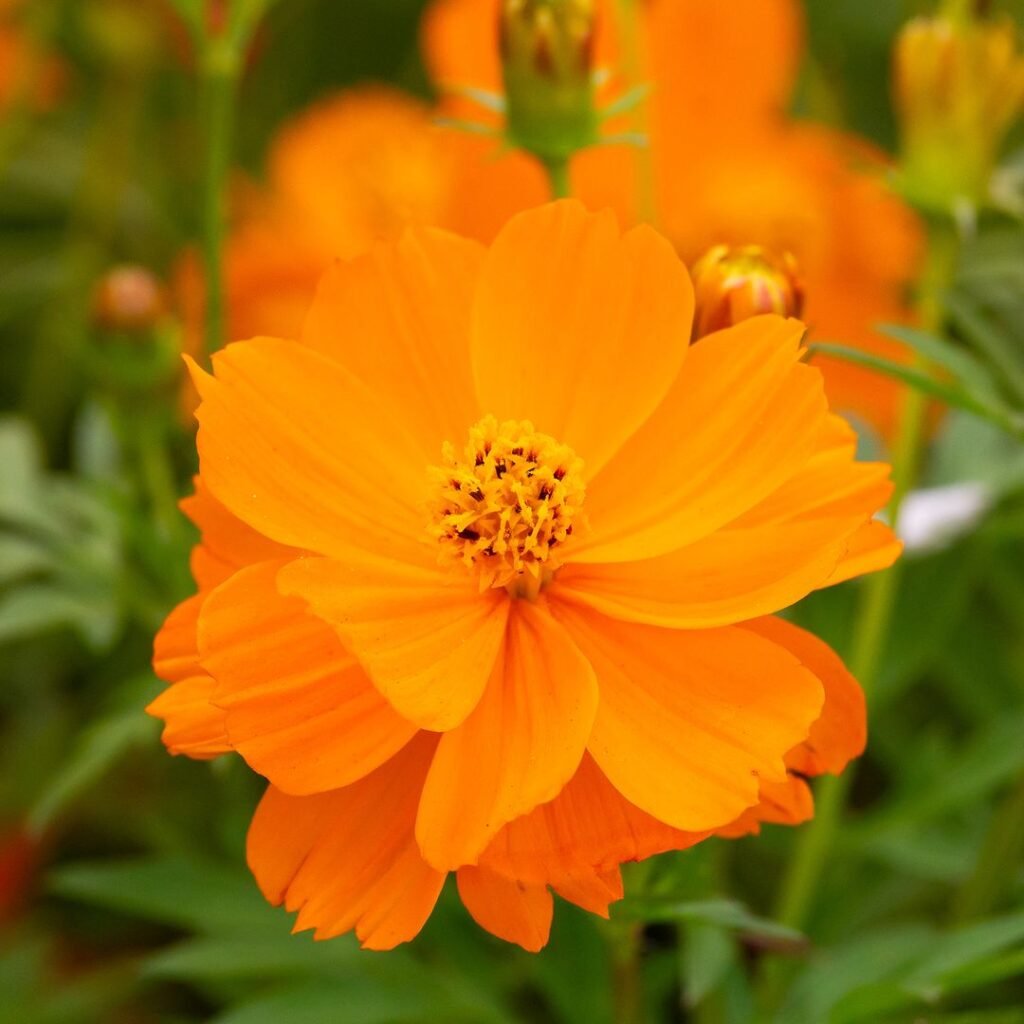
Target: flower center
506	508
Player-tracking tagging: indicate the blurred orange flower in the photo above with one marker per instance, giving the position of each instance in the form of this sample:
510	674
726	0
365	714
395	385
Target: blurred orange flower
550	653
726	165
27	74
351	170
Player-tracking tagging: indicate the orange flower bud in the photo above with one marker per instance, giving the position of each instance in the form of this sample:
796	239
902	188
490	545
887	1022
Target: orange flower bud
128	299
959	86
547	64
216	17
734	283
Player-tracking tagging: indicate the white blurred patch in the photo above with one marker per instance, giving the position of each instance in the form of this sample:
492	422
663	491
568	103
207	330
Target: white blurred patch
934	517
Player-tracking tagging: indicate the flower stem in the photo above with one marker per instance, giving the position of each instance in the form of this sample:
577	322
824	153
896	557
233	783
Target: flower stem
219	83
558	178
627	981
55	357
871	629
630	32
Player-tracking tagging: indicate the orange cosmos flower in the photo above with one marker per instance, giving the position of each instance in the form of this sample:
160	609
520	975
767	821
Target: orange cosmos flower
727	166
487	571
353	169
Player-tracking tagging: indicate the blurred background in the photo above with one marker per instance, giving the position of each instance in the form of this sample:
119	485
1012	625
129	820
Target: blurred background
124	897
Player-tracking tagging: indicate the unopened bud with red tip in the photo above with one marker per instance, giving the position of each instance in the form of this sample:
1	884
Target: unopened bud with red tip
129	300
216	17
734	283
959	86
547	66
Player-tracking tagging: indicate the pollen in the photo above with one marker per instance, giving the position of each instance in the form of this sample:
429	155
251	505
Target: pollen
506	510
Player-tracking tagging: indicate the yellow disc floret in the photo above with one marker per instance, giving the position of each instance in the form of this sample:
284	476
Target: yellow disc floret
506	509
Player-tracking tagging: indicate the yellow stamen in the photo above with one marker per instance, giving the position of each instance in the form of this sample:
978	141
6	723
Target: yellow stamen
507	509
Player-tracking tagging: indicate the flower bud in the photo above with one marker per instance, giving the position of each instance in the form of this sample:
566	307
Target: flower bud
547	63
216	17
959	85
734	283
124	33
128	300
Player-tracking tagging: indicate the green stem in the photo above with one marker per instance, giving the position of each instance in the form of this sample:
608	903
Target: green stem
219	85
558	178
631	36
158	479
54	364
627	980
878	599
871	630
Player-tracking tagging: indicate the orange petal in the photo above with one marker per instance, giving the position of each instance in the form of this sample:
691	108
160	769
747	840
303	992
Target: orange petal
295	446
803	535
739	421
719	68
829	484
581	837
192	724
832	484
840	733
347	859
511	910
729	577
874	546
398	319
297	705
579	328
593	892
428	639
518	748
355	167
228	544
460	42
175	653
782	803
689	723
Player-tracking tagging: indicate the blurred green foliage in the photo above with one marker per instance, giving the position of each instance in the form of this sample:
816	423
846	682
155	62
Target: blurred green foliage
123	892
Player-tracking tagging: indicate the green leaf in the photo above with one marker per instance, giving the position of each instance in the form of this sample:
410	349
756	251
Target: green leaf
32	992
707	954
247	957
728	914
572	974
21	479
21	557
44	607
951	394
835	973
948	962
985	336
390	997
971	449
993	757
98	748
958	361
190	894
